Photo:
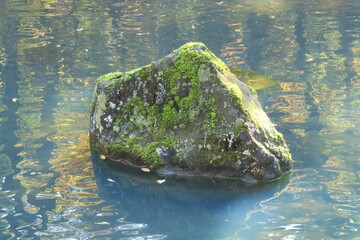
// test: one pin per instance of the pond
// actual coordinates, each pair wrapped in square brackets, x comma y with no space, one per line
[303,57]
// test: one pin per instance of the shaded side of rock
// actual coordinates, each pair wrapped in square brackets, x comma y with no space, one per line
[186,114]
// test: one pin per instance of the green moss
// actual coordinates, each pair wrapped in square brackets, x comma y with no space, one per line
[189,49]
[143,72]
[147,154]
[171,142]
[279,138]
[112,83]
[240,125]
[127,78]
[213,115]
[169,115]
[150,156]
[110,76]
[186,70]
[174,91]
[133,109]
[142,155]
[217,157]
[253,91]
[236,97]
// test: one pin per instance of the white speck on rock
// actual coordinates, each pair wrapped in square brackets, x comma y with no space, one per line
[246,152]
[134,93]
[108,121]
[276,161]
[112,105]
[93,125]
[230,141]
[120,104]
[160,151]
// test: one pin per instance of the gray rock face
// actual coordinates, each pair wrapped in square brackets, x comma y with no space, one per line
[186,114]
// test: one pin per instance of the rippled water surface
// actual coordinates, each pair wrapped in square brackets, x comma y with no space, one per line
[303,56]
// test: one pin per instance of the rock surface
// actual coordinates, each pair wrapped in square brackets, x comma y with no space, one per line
[186,114]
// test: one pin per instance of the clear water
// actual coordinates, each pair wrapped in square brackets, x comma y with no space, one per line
[52,51]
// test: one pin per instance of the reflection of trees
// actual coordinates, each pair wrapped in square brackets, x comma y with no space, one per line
[315,43]
[34,58]
[137,29]
[343,129]
[6,202]
[234,52]
[71,156]
[326,106]
[292,101]
[31,134]
[325,68]
[176,24]
[31,76]
[211,31]
[11,105]
[75,189]
[58,48]
[280,48]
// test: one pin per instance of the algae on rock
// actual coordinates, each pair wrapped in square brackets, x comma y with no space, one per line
[186,114]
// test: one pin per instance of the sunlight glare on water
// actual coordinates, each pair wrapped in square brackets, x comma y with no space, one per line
[302,56]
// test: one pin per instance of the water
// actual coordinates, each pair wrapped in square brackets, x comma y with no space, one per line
[52,51]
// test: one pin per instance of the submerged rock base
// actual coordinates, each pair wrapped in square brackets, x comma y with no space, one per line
[186,114]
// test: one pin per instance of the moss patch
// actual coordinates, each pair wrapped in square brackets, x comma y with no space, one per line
[110,76]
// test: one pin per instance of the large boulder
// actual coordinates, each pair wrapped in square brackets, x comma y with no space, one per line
[186,114]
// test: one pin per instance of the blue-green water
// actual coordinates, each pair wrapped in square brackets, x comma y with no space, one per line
[52,51]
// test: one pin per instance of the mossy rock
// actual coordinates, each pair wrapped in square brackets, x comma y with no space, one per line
[186,114]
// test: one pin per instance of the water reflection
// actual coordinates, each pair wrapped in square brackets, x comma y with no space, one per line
[307,205]
[51,53]
[217,208]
